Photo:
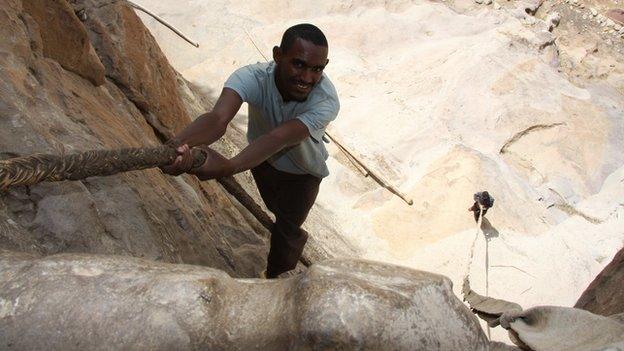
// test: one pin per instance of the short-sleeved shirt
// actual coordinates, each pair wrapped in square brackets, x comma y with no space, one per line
[256,86]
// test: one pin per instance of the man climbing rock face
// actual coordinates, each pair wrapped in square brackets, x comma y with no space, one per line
[291,102]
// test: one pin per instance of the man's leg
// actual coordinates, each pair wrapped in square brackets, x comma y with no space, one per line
[290,197]
[265,177]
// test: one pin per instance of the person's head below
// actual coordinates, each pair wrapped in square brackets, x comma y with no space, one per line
[300,60]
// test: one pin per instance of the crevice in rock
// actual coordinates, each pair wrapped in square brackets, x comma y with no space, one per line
[227,258]
[526,131]
[572,211]
[548,43]
[564,206]
[160,131]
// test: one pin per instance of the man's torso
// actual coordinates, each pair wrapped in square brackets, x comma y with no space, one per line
[267,110]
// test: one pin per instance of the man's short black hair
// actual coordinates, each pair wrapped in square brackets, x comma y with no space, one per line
[304,31]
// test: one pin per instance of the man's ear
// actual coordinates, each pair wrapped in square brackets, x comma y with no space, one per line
[277,53]
[327,62]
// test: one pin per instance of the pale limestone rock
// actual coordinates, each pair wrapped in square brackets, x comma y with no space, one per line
[554,328]
[98,302]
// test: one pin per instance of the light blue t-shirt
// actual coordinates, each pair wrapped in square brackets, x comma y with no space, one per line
[256,86]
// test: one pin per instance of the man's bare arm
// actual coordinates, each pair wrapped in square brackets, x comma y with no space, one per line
[211,126]
[287,134]
[205,130]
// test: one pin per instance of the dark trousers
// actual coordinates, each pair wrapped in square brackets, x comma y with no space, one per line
[290,197]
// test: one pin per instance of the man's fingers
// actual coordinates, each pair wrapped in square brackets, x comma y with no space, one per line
[188,158]
[182,148]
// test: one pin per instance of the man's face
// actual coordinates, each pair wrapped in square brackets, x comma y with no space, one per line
[299,69]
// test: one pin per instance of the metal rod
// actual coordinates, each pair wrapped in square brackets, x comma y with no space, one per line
[368,172]
[162,21]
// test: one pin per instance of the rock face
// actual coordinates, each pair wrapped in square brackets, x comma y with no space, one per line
[54,98]
[605,295]
[135,63]
[70,301]
[59,33]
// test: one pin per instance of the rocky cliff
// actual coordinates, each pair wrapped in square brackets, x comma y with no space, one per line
[605,295]
[83,75]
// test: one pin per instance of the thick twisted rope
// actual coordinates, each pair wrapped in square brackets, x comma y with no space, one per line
[33,169]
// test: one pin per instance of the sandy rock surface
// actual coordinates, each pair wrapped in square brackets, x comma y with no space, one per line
[446,100]
[77,301]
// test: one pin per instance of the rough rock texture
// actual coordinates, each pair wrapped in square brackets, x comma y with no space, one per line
[605,295]
[70,301]
[135,63]
[554,328]
[45,107]
[56,28]
[616,15]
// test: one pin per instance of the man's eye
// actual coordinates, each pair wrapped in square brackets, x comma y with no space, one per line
[317,69]
[298,64]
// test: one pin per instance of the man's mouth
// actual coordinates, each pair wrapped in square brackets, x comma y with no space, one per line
[303,87]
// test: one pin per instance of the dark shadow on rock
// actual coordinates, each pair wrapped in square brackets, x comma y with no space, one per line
[488,230]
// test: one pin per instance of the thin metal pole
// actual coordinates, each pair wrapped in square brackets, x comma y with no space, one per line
[368,172]
[156,17]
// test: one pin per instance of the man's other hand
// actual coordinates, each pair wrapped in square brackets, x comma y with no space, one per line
[183,162]
[216,166]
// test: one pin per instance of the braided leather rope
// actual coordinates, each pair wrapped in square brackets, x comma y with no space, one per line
[38,168]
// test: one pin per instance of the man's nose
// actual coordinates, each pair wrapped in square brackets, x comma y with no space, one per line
[307,76]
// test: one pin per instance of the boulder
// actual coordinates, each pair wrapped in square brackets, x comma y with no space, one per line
[74,301]
[605,295]
[554,328]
